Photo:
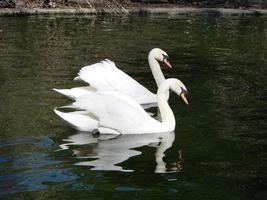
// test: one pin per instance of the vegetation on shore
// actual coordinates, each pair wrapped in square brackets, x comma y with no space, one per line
[124,4]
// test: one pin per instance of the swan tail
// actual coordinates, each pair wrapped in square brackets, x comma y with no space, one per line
[77,78]
[78,120]
[65,92]
[74,93]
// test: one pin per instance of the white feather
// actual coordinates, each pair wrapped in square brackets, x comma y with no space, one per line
[121,113]
[105,76]
[78,120]
[73,93]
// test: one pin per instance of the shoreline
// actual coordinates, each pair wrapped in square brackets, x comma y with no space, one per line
[134,10]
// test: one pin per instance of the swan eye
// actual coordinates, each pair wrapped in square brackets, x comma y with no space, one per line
[164,57]
[183,91]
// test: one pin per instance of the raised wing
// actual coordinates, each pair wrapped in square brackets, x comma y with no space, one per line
[105,76]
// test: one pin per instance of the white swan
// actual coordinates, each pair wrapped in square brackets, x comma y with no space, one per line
[105,76]
[114,112]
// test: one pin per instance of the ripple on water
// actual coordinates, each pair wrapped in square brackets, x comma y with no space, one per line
[29,169]
[33,180]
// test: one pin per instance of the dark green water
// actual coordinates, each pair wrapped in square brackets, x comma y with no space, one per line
[218,150]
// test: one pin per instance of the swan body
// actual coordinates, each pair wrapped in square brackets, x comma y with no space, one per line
[105,76]
[111,111]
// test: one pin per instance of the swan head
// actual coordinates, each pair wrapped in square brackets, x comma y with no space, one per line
[160,56]
[179,88]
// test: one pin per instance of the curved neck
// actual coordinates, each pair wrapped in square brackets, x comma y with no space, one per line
[167,115]
[156,70]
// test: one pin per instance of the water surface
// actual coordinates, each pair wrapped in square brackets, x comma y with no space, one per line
[218,150]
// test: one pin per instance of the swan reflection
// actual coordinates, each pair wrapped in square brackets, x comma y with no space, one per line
[107,151]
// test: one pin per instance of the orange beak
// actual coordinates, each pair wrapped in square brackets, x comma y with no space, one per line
[167,62]
[184,98]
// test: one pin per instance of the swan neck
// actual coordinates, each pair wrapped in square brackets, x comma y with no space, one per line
[166,113]
[156,70]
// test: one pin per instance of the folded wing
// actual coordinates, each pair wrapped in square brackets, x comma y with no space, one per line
[117,111]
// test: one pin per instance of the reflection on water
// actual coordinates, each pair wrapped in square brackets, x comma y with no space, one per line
[108,151]
[222,133]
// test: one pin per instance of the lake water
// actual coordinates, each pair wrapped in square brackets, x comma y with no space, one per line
[218,150]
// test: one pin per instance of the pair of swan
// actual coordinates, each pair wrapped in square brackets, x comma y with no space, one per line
[111,103]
